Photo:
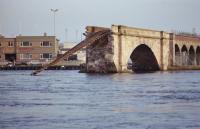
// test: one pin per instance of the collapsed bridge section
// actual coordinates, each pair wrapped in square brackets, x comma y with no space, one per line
[91,38]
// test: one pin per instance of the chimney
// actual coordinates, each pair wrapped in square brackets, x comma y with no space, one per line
[194,31]
[45,34]
[1,36]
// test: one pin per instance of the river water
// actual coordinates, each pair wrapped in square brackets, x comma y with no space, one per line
[72,100]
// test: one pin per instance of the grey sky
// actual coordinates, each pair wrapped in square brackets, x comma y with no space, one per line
[33,17]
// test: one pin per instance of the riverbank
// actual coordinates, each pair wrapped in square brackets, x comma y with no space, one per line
[178,68]
[38,67]
[82,68]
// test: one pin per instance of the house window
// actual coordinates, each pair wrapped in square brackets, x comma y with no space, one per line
[46,56]
[26,44]
[26,56]
[46,44]
[10,44]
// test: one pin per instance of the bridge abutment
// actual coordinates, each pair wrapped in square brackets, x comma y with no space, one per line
[99,55]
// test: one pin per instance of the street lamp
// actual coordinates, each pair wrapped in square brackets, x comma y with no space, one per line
[54,16]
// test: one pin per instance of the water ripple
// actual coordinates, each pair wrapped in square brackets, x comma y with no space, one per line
[70,100]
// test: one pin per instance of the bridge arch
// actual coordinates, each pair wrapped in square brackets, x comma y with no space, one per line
[143,59]
[184,55]
[198,55]
[177,55]
[191,59]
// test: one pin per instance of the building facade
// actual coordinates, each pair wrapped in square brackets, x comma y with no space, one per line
[28,49]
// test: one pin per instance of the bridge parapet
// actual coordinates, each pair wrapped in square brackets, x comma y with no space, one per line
[93,29]
[187,38]
[138,32]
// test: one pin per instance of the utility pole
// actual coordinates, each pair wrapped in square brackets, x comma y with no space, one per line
[54,18]
[66,34]
[76,35]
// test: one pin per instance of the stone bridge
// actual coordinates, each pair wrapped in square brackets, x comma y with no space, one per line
[127,48]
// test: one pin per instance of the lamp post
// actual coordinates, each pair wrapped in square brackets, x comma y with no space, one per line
[54,16]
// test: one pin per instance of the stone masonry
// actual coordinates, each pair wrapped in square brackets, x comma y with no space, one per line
[112,52]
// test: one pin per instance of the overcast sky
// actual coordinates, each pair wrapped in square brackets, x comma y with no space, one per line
[33,17]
